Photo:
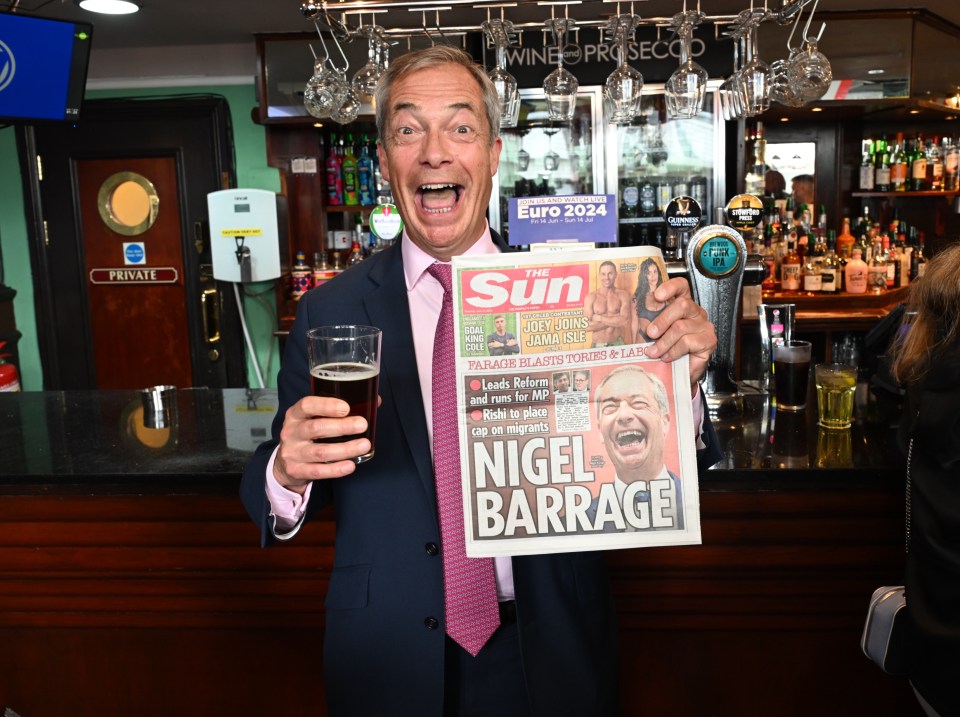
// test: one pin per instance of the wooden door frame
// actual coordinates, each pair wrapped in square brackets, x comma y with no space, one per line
[195,131]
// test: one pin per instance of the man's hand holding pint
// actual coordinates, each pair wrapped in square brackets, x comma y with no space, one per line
[300,459]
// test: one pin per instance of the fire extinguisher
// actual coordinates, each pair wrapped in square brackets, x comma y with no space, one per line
[9,379]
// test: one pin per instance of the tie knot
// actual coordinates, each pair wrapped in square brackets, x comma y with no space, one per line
[443,274]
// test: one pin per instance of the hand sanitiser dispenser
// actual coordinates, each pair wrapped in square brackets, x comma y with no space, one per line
[244,235]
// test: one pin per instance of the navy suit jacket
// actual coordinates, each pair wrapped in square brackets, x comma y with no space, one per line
[384,641]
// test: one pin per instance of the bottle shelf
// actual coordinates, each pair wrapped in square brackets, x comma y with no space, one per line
[906,194]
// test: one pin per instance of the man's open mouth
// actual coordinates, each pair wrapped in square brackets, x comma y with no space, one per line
[439,198]
[631,439]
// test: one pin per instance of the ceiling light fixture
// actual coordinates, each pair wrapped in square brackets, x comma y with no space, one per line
[109,7]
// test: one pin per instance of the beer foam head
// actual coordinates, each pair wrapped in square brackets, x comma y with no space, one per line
[344,371]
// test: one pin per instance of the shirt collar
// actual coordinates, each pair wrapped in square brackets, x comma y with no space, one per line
[621,486]
[416,261]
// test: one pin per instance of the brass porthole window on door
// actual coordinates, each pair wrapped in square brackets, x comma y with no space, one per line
[128,203]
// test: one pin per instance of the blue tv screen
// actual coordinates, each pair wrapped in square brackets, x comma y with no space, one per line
[43,68]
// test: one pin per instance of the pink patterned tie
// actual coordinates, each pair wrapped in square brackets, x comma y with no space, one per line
[469,583]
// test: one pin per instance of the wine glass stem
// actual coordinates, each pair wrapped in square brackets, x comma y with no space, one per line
[501,56]
[622,59]
[685,37]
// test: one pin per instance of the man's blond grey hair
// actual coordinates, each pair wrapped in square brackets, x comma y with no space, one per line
[659,388]
[436,56]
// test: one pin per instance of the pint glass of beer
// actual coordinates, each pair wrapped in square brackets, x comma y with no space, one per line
[791,373]
[345,364]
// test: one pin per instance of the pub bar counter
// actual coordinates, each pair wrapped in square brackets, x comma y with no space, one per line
[131,581]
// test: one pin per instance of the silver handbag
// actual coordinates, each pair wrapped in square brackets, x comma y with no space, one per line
[884,633]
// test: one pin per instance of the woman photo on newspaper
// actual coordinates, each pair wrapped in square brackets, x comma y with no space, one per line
[647,308]
[926,360]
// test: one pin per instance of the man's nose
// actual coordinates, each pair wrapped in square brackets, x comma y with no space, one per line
[435,149]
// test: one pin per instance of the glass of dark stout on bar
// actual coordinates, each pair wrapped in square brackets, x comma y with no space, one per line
[791,374]
[345,364]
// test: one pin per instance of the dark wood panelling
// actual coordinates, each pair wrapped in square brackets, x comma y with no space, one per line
[164,604]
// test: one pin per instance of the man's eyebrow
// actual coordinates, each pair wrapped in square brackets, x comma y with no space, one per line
[413,107]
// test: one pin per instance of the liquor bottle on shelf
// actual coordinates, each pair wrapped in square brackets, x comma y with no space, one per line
[918,166]
[846,240]
[365,185]
[877,271]
[892,261]
[698,190]
[918,262]
[811,276]
[904,253]
[867,171]
[934,165]
[855,274]
[300,276]
[769,258]
[334,178]
[898,165]
[951,155]
[648,198]
[629,197]
[337,266]
[356,252]
[790,267]
[881,165]
[830,269]
[348,168]
[321,269]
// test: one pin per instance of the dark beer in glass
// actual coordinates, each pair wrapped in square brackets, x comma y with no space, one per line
[791,373]
[345,364]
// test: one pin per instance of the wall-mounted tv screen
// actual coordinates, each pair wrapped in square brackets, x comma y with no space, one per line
[43,68]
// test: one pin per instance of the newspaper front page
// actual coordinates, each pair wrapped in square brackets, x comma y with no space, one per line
[571,437]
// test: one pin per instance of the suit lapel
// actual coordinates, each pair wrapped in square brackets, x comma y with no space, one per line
[387,305]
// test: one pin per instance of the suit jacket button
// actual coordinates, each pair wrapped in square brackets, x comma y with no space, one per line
[431,623]
[432,549]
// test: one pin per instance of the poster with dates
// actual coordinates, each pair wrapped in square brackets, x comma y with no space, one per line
[571,437]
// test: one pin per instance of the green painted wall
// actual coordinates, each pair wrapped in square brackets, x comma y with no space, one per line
[252,172]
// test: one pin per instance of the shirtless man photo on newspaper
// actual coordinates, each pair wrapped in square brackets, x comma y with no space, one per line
[607,309]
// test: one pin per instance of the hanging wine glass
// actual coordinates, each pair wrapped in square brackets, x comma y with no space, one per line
[622,89]
[687,87]
[500,33]
[317,103]
[782,90]
[809,71]
[365,80]
[551,160]
[349,108]
[729,90]
[560,86]
[523,156]
[324,90]
[755,75]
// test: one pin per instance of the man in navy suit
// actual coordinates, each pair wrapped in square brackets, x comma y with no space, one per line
[385,650]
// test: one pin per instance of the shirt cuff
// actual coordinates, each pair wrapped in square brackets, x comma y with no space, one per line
[287,507]
[697,418]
